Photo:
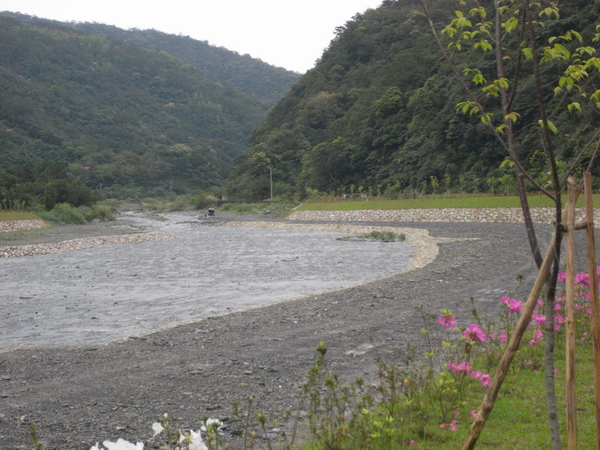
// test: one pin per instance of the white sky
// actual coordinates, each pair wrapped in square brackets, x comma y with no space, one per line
[284,33]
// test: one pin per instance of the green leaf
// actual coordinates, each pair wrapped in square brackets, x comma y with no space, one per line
[551,126]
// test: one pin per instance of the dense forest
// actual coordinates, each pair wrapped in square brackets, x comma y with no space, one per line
[111,116]
[378,114]
[247,74]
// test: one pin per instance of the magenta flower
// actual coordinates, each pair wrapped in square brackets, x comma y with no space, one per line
[562,276]
[473,333]
[447,319]
[460,367]
[539,319]
[476,374]
[485,380]
[503,337]
[483,377]
[515,306]
[582,278]
[539,303]
[538,334]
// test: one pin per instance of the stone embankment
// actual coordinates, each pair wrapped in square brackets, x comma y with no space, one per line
[80,244]
[491,215]
[8,226]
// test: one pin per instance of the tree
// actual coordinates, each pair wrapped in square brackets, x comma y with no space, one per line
[516,33]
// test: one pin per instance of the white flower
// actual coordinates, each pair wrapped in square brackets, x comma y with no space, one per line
[196,442]
[157,428]
[213,423]
[95,447]
[122,444]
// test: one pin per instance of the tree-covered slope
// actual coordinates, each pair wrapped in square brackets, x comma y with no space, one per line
[115,113]
[378,113]
[247,74]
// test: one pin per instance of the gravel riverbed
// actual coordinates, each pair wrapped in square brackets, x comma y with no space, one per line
[79,395]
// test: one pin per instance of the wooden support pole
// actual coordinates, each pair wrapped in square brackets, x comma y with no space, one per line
[591,247]
[571,401]
[513,345]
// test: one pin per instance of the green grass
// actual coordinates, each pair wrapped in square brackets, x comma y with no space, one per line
[519,416]
[435,203]
[17,215]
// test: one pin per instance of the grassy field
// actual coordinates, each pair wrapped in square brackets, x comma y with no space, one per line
[434,203]
[17,215]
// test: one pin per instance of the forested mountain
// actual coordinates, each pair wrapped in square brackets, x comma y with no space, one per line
[243,72]
[114,113]
[247,74]
[378,114]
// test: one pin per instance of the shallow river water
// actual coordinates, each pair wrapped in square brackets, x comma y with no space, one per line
[106,293]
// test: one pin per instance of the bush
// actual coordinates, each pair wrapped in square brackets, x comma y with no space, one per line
[63,213]
[101,212]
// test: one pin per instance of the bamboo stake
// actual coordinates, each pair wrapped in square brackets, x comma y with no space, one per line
[591,244]
[513,345]
[571,400]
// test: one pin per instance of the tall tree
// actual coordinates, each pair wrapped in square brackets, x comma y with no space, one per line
[516,33]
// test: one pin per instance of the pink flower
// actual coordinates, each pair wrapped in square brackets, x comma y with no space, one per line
[582,278]
[483,377]
[539,303]
[477,375]
[503,337]
[453,424]
[558,321]
[562,276]
[412,442]
[473,414]
[515,306]
[457,414]
[529,362]
[447,320]
[473,333]
[485,380]
[539,319]
[460,367]
[538,334]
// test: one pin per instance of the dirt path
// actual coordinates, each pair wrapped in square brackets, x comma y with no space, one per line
[78,396]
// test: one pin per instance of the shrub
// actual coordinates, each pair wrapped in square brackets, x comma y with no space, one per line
[63,213]
[102,212]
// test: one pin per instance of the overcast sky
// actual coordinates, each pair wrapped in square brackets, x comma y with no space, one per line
[285,33]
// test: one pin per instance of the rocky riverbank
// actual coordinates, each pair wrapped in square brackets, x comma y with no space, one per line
[79,396]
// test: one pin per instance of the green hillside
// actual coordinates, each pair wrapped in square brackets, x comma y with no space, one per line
[247,74]
[378,114]
[116,115]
